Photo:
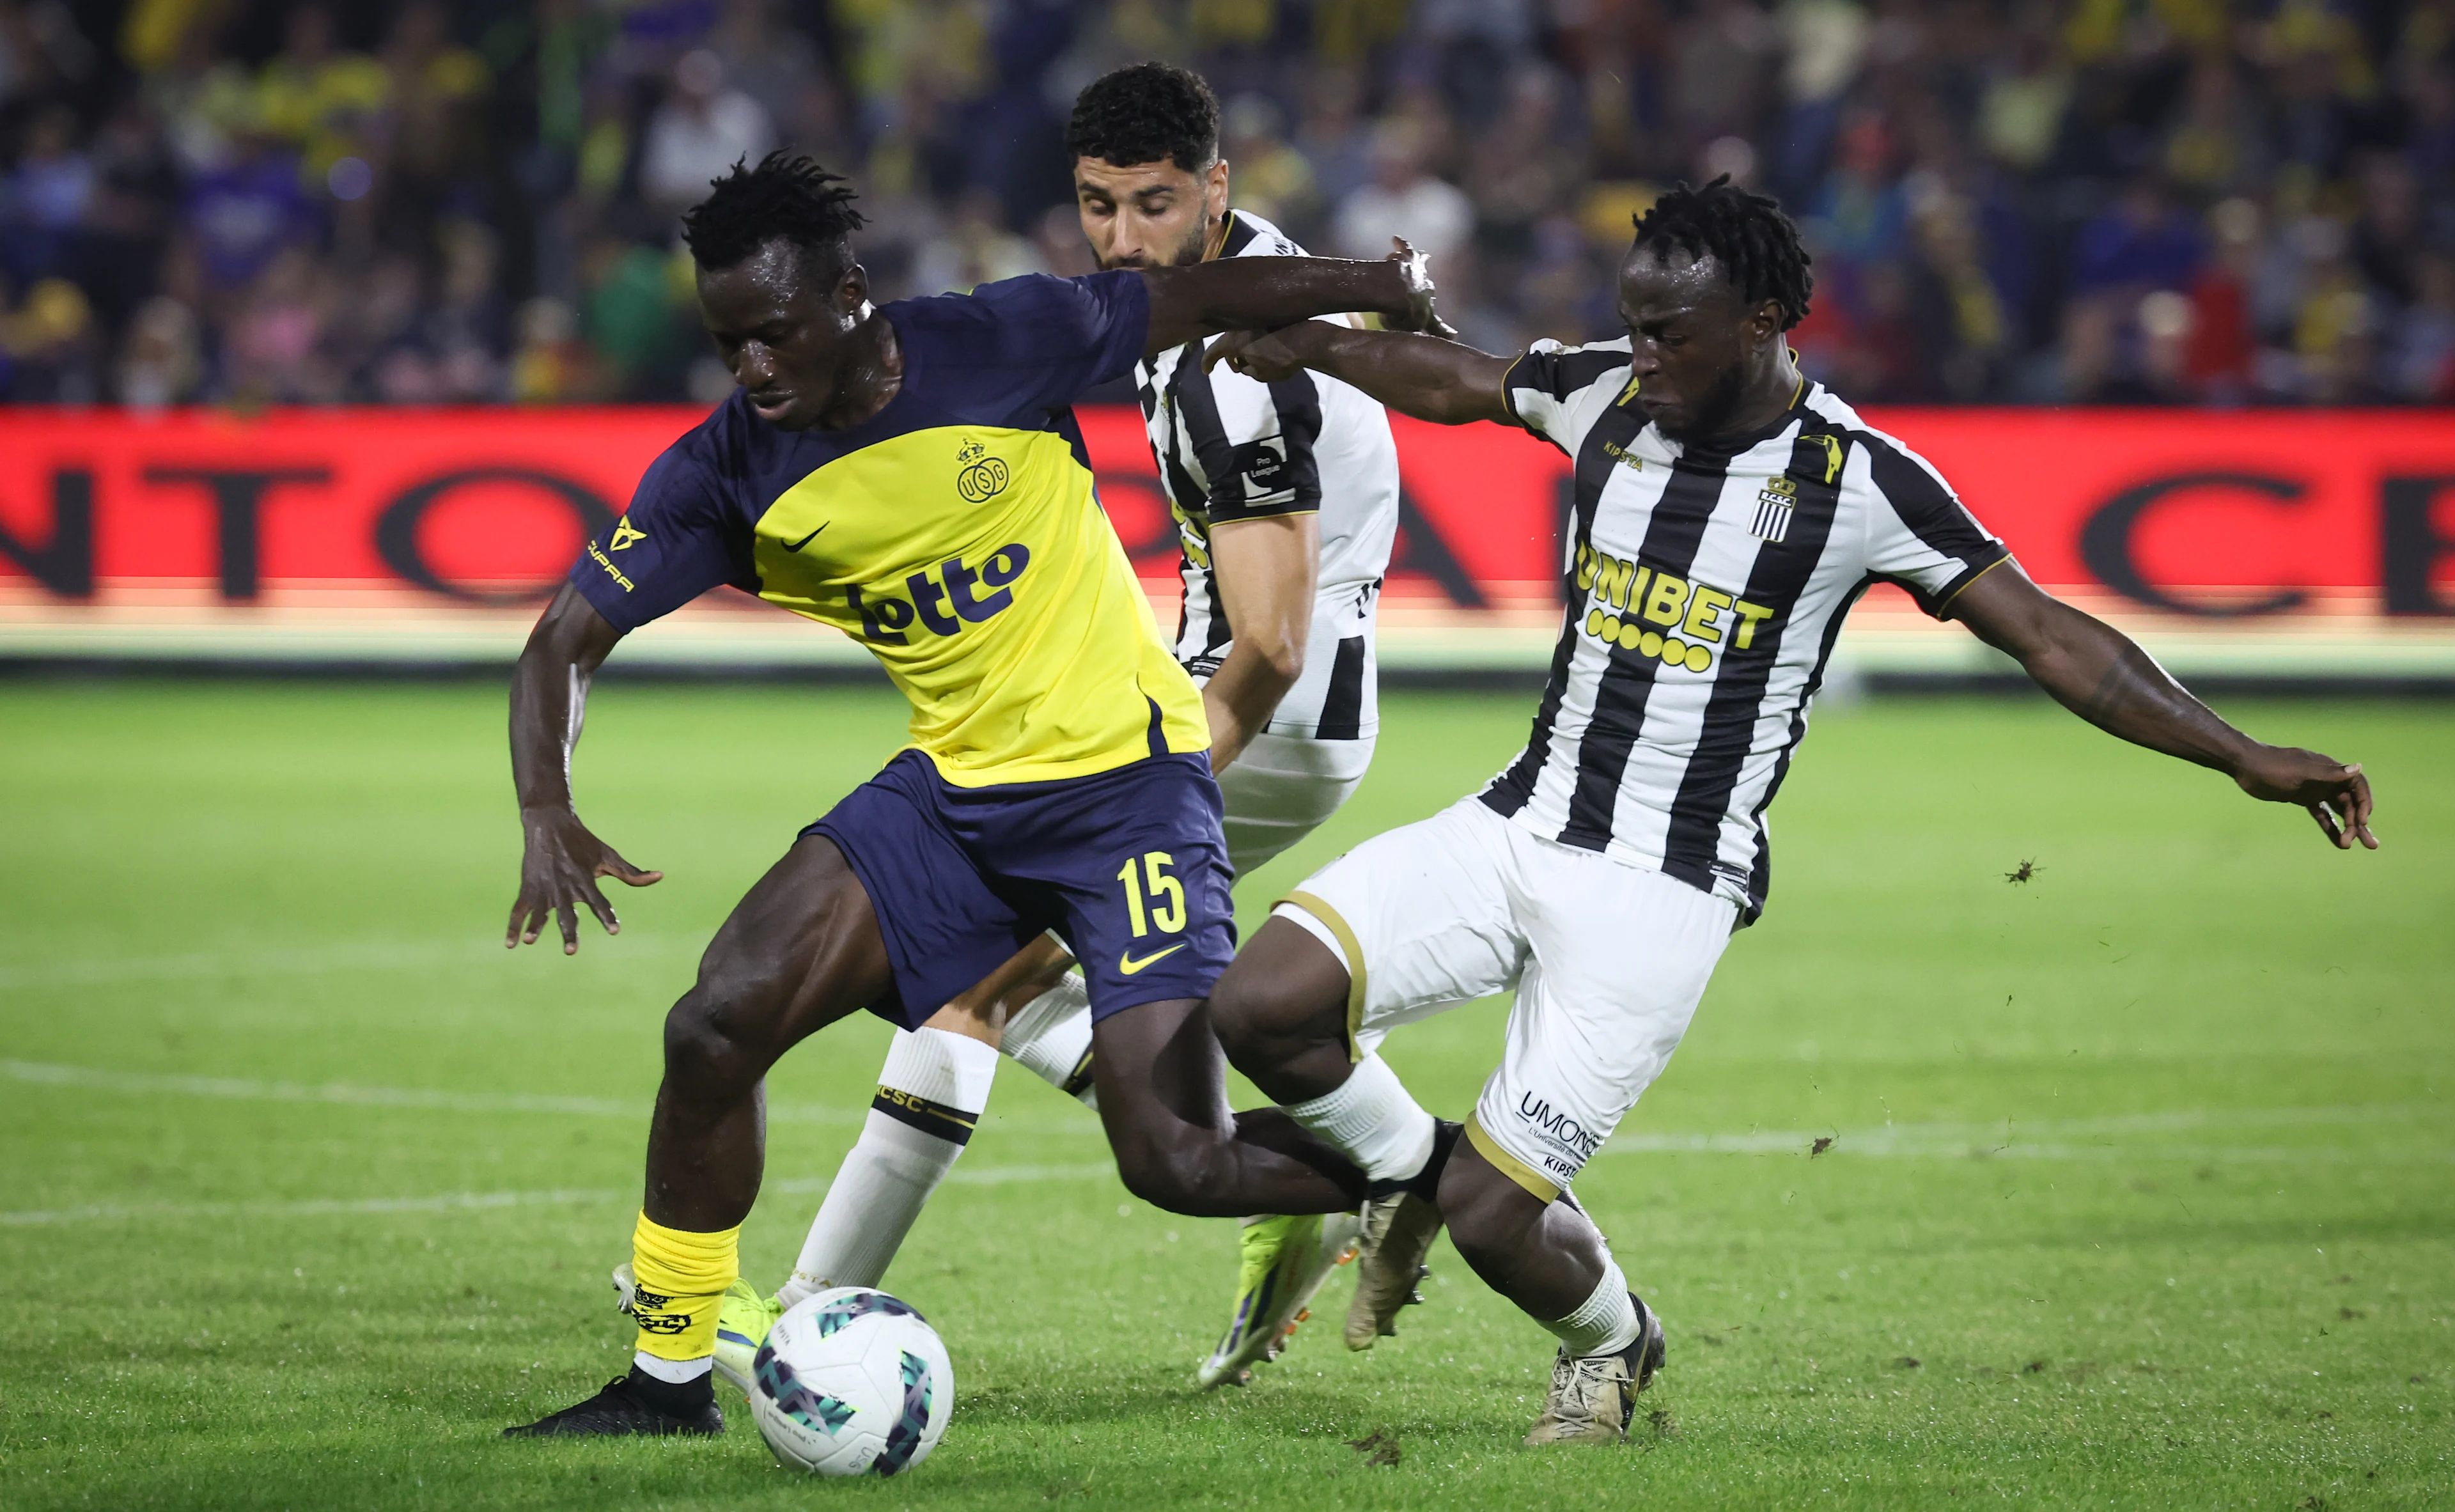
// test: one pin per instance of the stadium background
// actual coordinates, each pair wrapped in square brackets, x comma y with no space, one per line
[289,214]
[325,334]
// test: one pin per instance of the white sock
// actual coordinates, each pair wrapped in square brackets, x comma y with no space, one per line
[1050,1037]
[1604,1324]
[680,1372]
[933,1088]
[1371,1120]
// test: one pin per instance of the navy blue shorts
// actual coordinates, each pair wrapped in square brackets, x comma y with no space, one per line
[1129,866]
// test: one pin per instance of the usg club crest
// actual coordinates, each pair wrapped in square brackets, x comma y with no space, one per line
[982,477]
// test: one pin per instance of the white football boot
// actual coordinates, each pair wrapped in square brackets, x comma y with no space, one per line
[1595,1396]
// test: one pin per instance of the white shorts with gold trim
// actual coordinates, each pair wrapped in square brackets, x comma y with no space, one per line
[1608,961]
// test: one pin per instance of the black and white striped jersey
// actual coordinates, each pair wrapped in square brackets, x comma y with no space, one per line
[1233,448]
[1705,592]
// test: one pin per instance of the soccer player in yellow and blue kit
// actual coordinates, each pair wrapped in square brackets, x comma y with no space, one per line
[912,474]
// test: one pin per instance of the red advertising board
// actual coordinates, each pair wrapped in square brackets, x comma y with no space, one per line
[409,532]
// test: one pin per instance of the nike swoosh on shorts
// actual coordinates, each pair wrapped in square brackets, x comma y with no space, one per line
[1127,963]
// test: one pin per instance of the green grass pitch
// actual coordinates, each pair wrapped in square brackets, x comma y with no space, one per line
[2142,1194]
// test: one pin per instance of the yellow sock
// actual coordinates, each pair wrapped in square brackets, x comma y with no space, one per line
[682,1278]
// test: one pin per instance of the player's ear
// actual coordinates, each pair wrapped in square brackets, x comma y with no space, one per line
[852,286]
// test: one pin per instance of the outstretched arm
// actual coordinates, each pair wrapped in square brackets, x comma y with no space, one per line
[1424,377]
[1256,293]
[559,859]
[2101,675]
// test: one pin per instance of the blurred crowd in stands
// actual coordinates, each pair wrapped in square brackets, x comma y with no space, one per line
[442,201]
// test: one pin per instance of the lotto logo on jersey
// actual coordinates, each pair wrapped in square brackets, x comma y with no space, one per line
[1662,615]
[942,601]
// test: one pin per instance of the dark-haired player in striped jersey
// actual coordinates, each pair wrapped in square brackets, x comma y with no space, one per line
[1728,513]
[1286,500]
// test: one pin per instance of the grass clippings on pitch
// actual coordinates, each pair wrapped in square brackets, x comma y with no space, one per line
[2141,1187]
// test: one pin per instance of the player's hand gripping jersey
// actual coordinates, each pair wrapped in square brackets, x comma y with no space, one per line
[1233,448]
[955,534]
[1705,592]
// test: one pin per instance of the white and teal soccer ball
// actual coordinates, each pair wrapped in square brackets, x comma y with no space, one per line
[852,1381]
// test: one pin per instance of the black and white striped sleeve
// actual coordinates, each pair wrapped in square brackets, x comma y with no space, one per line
[1919,535]
[1556,391]
[1254,441]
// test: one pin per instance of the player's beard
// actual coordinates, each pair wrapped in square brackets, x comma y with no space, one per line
[1194,245]
[1711,415]
[1184,255]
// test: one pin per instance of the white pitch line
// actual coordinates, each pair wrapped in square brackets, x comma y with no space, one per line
[145,1083]
[306,961]
[2036,1139]
[321,1207]
[2018,1135]
[468,1202]
[247,1089]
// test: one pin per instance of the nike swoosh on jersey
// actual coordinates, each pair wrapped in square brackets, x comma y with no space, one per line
[806,539]
[1127,963]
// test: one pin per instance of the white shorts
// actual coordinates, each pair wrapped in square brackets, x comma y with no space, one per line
[1609,961]
[1282,788]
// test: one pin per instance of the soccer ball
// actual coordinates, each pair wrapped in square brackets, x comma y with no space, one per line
[852,1381]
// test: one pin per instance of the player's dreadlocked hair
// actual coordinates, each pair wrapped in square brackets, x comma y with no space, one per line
[1144,112]
[1756,243]
[786,196]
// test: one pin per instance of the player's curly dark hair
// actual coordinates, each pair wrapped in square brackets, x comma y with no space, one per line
[1756,244]
[786,196]
[1142,112]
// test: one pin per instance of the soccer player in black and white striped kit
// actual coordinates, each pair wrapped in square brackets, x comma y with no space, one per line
[1728,513]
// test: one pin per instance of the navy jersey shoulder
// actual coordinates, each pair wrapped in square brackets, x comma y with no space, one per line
[1012,352]
[1011,355]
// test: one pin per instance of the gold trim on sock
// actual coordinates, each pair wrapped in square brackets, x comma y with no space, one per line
[1079,1081]
[938,1119]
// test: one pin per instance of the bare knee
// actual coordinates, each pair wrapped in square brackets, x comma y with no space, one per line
[707,1054]
[1283,1002]
[1170,1175]
[1241,1005]
[1154,1178]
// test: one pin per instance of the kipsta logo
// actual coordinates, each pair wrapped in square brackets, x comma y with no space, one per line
[982,477]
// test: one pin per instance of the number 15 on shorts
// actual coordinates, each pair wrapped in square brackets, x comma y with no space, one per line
[1155,897]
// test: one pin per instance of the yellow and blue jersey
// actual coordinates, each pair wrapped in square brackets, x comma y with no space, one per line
[955,534]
